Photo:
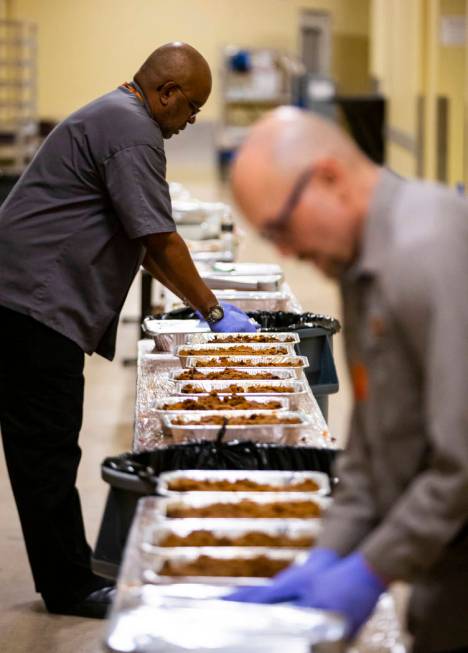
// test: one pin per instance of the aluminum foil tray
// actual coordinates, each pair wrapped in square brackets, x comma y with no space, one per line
[148,620]
[296,363]
[284,481]
[257,269]
[191,231]
[159,406]
[212,256]
[255,301]
[220,281]
[223,338]
[271,433]
[230,530]
[170,334]
[156,557]
[221,350]
[164,506]
[192,211]
[283,373]
[298,395]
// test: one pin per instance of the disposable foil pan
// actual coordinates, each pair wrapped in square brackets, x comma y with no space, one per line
[285,481]
[198,231]
[229,350]
[164,506]
[252,301]
[296,363]
[148,619]
[156,557]
[168,401]
[220,281]
[170,334]
[257,269]
[299,390]
[223,338]
[282,373]
[271,433]
[230,529]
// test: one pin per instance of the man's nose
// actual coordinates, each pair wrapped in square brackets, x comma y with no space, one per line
[192,120]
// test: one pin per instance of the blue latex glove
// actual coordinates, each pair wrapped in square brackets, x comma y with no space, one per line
[350,587]
[234,321]
[290,584]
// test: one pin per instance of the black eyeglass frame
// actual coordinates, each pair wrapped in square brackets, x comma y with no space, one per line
[276,228]
[195,109]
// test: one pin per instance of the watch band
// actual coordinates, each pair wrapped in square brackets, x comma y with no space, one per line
[215,314]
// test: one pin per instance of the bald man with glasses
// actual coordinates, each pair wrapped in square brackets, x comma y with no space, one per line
[92,206]
[399,250]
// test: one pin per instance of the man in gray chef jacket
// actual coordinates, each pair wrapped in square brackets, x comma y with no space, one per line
[399,250]
[92,206]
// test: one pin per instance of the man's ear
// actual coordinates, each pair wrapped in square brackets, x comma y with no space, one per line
[166,91]
[329,171]
[334,176]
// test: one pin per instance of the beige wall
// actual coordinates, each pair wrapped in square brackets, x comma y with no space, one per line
[396,62]
[452,78]
[409,61]
[89,46]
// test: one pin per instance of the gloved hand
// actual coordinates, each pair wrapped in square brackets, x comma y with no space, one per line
[234,321]
[290,584]
[350,587]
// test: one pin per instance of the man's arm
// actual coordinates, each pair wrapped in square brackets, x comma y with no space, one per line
[433,312]
[353,515]
[168,259]
[154,269]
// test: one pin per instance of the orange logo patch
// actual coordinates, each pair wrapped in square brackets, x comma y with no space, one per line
[360,381]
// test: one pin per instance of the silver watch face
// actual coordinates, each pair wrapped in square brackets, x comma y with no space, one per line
[215,315]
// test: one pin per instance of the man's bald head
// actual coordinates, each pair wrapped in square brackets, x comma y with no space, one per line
[281,145]
[280,149]
[178,62]
[172,70]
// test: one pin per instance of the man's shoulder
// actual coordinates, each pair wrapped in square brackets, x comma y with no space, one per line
[117,119]
[426,210]
[429,239]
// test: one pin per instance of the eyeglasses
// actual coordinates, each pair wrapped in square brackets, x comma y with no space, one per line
[275,229]
[195,109]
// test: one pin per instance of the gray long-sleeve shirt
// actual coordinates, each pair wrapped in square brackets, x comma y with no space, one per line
[70,229]
[403,495]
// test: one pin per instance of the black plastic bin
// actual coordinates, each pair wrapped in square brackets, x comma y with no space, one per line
[132,476]
[316,343]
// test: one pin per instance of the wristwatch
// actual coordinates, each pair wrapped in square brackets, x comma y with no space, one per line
[215,314]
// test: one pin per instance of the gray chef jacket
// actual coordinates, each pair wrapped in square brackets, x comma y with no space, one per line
[70,228]
[403,492]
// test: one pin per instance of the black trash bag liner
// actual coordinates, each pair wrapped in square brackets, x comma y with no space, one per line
[287,321]
[270,320]
[148,465]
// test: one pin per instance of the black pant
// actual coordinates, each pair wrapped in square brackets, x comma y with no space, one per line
[41,405]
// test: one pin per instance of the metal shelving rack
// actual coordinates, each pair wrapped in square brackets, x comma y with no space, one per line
[19,137]
[248,95]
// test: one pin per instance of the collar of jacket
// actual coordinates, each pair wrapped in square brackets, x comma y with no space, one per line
[377,235]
